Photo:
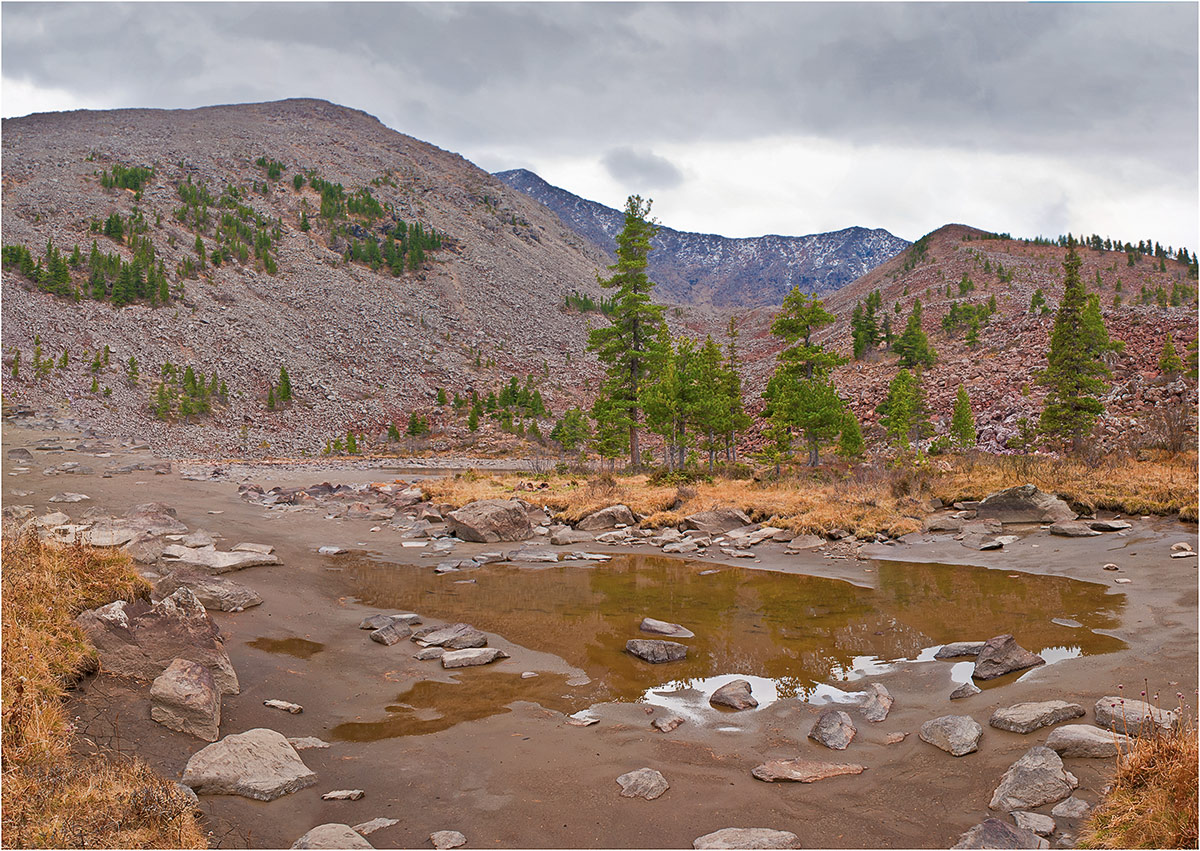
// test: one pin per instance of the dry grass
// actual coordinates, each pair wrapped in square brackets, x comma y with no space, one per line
[51,796]
[863,500]
[1153,799]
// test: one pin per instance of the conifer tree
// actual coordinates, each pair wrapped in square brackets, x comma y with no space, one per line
[904,414]
[473,419]
[441,397]
[131,370]
[962,422]
[351,443]
[850,443]
[913,345]
[572,430]
[1169,363]
[285,386]
[739,420]
[1074,372]
[624,345]
[271,398]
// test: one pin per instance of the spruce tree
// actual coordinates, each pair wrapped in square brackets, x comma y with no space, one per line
[850,443]
[962,423]
[913,345]
[1169,363]
[739,420]
[904,414]
[285,386]
[1074,371]
[624,345]
[271,398]
[473,419]
[393,433]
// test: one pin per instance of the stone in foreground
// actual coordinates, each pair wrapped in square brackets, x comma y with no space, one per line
[994,833]
[458,636]
[487,521]
[803,770]
[878,703]
[1024,504]
[665,628]
[1035,779]
[656,652]
[747,837]
[443,839]
[1132,717]
[957,735]
[1072,529]
[667,724]
[472,657]
[374,825]
[1002,655]
[965,690]
[1072,808]
[344,795]
[213,592]
[735,694]
[834,729]
[1086,741]
[1040,824]
[258,764]
[185,698]
[391,633]
[1027,717]
[607,518]
[643,783]
[332,836]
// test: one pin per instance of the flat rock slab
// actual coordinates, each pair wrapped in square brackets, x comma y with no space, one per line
[1072,529]
[284,706]
[429,653]
[959,650]
[487,521]
[643,783]
[69,497]
[656,652]
[250,547]
[735,695]
[658,627]
[965,690]
[994,833]
[1024,504]
[717,521]
[458,636]
[1109,525]
[332,836]
[1072,808]
[568,537]
[215,561]
[804,542]
[391,633]
[1040,824]
[344,795]
[1035,779]
[472,657]
[957,735]
[109,534]
[834,729]
[1086,741]
[259,764]
[185,698]
[803,770]
[443,839]
[215,593]
[1132,717]
[747,837]
[1027,717]
[878,703]
[378,621]
[304,743]
[1002,655]
[374,824]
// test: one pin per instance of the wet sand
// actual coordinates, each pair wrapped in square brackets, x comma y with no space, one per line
[524,777]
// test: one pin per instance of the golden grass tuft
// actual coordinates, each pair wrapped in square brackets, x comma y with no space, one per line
[1153,799]
[52,797]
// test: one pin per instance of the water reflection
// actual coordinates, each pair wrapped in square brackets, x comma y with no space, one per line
[301,648]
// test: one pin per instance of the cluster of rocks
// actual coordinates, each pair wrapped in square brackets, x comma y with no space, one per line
[457,645]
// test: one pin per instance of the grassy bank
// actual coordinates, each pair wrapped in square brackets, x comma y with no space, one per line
[53,797]
[862,499]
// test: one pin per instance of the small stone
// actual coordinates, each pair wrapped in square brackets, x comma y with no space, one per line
[803,770]
[304,743]
[369,827]
[428,653]
[528,675]
[1111,566]
[1181,546]
[332,836]
[391,634]
[1123,581]
[292,708]
[1183,554]
[643,783]
[458,636]
[957,735]
[959,650]
[472,657]
[656,652]
[331,551]
[1036,822]
[582,722]
[665,628]
[878,703]
[1108,525]
[1027,717]
[965,690]
[834,729]
[746,838]
[1002,655]
[895,738]
[69,497]
[261,549]
[735,695]
[443,839]
[666,724]
[1072,808]
[343,795]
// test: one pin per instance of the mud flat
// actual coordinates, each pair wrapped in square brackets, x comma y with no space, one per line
[491,752]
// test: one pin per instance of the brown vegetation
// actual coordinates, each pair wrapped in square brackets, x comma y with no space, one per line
[52,797]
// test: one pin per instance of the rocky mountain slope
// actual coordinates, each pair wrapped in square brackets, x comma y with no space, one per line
[706,269]
[362,346]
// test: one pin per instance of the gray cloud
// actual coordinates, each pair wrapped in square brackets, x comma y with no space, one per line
[642,169]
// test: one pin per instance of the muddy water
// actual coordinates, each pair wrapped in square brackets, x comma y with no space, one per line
[791,635]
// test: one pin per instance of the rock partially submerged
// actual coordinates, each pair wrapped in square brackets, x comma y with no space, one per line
[735,695]
[258,764]
[457,636]
[747,837]
[803,770]
[656,652]
[1072,529]
[1027,717]
[658,627]
[472,657]
[1002,655]
[959,650]
[1035,779]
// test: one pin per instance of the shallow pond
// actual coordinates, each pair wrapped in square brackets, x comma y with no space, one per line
[790,635]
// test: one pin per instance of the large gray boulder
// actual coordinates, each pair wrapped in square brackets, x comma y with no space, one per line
[656,652]
[1086,741]
[994,833]
[1027,717]
[258,764]
[185,698]
[957,735]
[1133,717]
[138,639]
[834,729]
[1024,504]
[487,521]
[747,837]
[1002,655]
[332,836]
[735,694]
[215,593]
[717,521]
[607,518]
[1035,779]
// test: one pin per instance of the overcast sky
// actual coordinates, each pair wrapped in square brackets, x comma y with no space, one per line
[739,119]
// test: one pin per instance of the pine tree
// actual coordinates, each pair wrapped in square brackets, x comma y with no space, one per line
[441,397]
[131,370]
[414,428]
[285,386]
[393,433]
[1169,363]
[624,345]
[962,423]
[473,419]
[904,414]
[572,430]
[1074,371]
[271,398]
[351,443]
[850,443]
[739,420]
[913,345]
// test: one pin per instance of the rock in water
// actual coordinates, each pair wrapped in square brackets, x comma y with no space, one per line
[994,833]
[185,698]
[833,729]
[747,837]
[607,518]
[957,735]
[1084,740]
[472,657]
[965,690]
[391,634]
[735,695]
[643,783]
[258,764]
[656,652]
[1024,504]
[1002,655]
[803,770]
[1109,525]
[458,636]
[1132,717]
[332,836]
[1035,779]
[1027,717]
[959,650]
[1072,529]
[878,703]
[443,839]
[487,521]
[665,628]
